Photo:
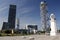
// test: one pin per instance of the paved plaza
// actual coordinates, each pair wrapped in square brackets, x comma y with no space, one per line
[31,37]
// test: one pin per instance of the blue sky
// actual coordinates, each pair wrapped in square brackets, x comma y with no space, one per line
[28,11]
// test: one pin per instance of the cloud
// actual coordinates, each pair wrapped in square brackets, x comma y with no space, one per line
[25,10]
[28,20]
[3,8]
[21,3]
[3,12]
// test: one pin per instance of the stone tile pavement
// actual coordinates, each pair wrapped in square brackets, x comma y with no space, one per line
[31,37]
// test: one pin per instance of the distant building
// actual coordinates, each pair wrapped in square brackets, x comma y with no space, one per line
[32,28]
[12,16]
[22,31]
[17,23]
[5,26]
[11,19]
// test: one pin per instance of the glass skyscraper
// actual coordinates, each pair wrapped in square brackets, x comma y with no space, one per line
[12,16]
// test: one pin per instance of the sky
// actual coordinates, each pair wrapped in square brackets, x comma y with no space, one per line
[28,11]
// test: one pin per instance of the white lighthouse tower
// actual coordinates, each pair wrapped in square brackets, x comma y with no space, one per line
[53,25]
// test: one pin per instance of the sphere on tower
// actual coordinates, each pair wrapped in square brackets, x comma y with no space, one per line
[43,5]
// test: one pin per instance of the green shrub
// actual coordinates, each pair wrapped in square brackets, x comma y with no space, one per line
[7,31]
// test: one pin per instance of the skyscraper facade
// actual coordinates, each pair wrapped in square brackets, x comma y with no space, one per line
[5,26]
[12,16]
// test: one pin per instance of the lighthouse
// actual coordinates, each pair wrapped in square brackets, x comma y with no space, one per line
[53,25]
